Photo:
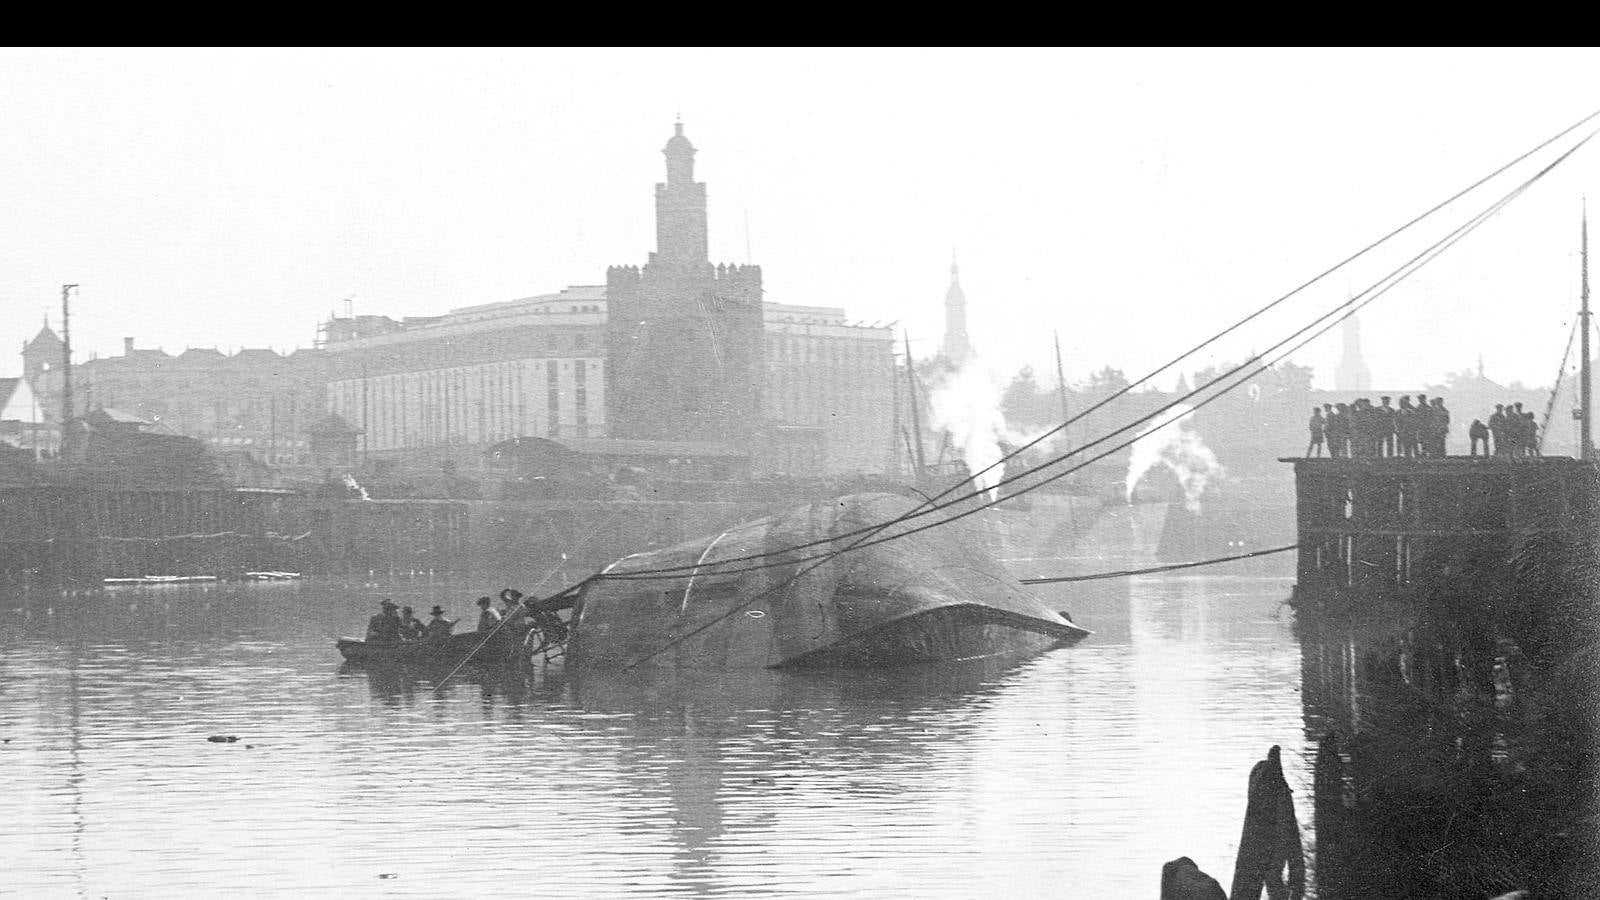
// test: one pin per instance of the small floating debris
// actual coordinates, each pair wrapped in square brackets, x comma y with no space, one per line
[162,579]
[223,738]
[271,576]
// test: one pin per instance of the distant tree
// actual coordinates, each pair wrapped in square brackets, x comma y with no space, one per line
[1023,402]
[1107,381]
[1287,379]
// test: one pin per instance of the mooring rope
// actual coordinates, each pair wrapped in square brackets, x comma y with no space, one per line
[1063,579]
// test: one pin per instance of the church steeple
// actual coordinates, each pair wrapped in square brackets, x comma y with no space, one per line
[957,346]
[1352,373]
[681,207]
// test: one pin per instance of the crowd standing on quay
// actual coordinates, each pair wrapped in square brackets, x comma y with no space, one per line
[1360,430]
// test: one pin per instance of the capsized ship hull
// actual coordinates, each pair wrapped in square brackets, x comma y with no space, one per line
[926,596]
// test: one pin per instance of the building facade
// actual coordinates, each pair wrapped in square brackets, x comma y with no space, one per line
[478,375]
[678,349]
[255,402]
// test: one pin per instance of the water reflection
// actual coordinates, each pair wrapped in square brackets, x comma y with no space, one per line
[1448,759]
[1087,767]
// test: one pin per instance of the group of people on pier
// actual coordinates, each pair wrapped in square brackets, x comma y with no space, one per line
[1513,433]
[1361,430]
[1415,430]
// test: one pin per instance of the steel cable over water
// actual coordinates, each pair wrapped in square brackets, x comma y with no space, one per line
[1187,353]
[1394,278]
[1170,567]
[1349,308]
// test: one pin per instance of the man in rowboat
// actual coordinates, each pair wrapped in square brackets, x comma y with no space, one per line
[438,627]
[488,619]
[410,625]
[384,628]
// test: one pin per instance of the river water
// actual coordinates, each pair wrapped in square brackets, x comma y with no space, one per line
[1075,773]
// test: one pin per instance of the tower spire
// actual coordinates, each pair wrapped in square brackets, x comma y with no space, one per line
[681,206]
[957,346]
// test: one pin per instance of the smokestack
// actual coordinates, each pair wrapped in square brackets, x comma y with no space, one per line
[127,346]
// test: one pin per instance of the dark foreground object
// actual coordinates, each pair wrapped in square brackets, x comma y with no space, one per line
[1181,879]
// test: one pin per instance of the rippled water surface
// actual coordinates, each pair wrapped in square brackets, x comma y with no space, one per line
[1076,773]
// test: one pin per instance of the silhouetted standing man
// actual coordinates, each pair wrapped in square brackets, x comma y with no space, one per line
[1441,428]
[1479,432]
[1318,428]
[1405,428]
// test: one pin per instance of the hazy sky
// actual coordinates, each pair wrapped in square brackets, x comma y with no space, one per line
[1129,199]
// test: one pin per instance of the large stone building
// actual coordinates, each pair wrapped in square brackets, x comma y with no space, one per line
[678,350]
[473,377]
[256,401]
[684,337]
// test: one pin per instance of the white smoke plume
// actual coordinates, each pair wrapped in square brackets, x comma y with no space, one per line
[1176,445]
[966,403]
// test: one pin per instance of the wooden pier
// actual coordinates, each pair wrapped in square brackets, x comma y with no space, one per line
[1381,527]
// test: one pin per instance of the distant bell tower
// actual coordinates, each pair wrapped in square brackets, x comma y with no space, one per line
[957,347]
[680,207]
[1352,373]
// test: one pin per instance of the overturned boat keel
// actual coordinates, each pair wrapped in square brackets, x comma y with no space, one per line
[925,596]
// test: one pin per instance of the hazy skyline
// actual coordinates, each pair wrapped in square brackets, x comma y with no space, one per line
[1132,200]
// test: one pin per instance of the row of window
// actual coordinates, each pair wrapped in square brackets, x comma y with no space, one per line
[481,404]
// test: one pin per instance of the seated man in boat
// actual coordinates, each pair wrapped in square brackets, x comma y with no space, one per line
[410,625]
[438,627]
[384,628]
[488,619]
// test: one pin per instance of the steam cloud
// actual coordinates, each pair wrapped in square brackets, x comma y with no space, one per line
[966,403]
[1180,449]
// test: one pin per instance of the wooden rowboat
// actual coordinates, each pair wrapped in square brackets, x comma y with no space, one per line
[503,646]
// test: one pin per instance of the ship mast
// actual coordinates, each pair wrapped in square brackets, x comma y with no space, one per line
[916,415]
[1585,397]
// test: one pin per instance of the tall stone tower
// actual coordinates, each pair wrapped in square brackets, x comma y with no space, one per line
[1352,373]
[684,342]
[957,346]
[41,367]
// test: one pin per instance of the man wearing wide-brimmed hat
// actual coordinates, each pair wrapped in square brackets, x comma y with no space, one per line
[438,627]
[384,628]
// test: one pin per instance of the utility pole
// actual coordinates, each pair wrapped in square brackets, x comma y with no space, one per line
[1585,397]
[66,358]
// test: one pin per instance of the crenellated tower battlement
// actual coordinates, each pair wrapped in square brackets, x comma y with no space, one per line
[683,335]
